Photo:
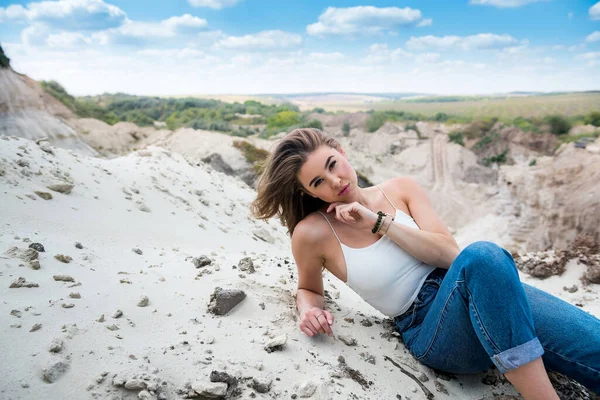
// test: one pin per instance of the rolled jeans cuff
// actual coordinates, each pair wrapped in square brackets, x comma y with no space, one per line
[518,355]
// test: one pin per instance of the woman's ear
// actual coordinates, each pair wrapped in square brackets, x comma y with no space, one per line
[342,152]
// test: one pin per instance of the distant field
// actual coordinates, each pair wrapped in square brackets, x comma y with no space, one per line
[511,107]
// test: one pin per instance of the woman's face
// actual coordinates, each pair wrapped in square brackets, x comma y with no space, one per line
[328,175]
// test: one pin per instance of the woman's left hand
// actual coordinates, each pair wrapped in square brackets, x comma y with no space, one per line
[354,214]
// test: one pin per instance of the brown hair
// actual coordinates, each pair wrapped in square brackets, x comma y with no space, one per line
[279,191]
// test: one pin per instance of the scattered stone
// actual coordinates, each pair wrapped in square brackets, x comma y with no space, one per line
[276,344]
[142,207]
[74,295]
[211,390]
[55,371]
[63,278]
[571,289]
[78,245]
[366,322]
[37,247]
[22,282]
[56,346]
[261,305]
[35,264]
[68,305]
[246,264]
[112,327]
[35,327]
[118,314]
[64,188]
[45,146]
[261,385]
[224,300]
[137,251]
[231,381]
[368,358]
[422,377]
[43,195]
[263,235]
[16,313]
[144,301]
[348,340]
[201,261]
[135,384]
[306,389]
[64,259]
[439,386]
[27,255]
[22,163]
[101,319]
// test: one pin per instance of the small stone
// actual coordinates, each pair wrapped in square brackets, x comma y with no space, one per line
[201,261]
[68,305]
[63,278]
[35,264]
[56,346]
[78,245]
[261,386]
[64,188]
[571,289]
[211,390]
[52,373]
[246,264]
[118,314]
[222,301]
[101,319]
[37,247]
[276,344]
[44,195]
[306,389]
[144,301]
[135,384]
[74,295]
[112,327]
[137,251]
[22,282]
[439,386]
[348,340]
[64,259]
[423,378]
[35,327]
[15,313]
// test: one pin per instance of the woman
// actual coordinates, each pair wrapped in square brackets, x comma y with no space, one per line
[457,311]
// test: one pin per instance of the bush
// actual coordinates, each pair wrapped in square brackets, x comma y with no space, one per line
[479,128]
[253,154]
[498,158]
[441,117]
[559,125]
[375,121]
[346,128]
[593,118]
[532,162]
[315,123]
[4,61]
[456,137]
[318,110]
[283,120]
[485,141]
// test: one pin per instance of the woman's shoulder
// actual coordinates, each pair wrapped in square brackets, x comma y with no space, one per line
[311,229]
[399,186]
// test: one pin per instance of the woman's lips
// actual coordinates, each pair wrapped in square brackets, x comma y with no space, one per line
[344,190]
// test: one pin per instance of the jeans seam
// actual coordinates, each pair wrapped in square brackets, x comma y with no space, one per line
[574,362]
[437,328]
[480,324]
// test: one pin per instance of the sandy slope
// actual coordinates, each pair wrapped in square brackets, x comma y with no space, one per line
[190,211]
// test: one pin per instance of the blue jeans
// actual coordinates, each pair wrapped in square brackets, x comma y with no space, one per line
[478,314]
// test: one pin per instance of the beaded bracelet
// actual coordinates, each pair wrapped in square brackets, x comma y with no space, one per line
[380,215]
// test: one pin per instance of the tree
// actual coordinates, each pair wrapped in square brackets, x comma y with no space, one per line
[346,128]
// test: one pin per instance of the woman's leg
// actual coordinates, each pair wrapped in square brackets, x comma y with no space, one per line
[481,316]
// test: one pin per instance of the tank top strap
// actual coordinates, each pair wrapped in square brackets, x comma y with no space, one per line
[388,199]
[331,226]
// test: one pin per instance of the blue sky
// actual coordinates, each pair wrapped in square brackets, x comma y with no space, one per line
[262,46]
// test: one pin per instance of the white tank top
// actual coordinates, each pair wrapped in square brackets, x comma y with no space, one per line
[384,274]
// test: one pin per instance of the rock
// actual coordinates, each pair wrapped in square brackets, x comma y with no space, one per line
[64,188]
[64,259]
[348,340]
[35,327]
[144,301]
[45,146]
[101,319]
[135,384]
[35,264]
[423,378]
[63,278]
[118,314]
[276,344]
[211,390]
[592,274]
[263,235]
[145,395]
[112,327]
[15,313]
[74,295]
[43,195]
[55,371]
[22,282]
[56,346]
[78,245]
[201,261]
[26,255]
[215,160]
[246,264]
[571,289]
[137,251]
[306,389]
[261,385]
[224,300]
[439,386]
[68,305]
[542,265]
[37,247]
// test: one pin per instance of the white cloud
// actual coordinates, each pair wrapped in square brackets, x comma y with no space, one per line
[425,22]
[479,42]
[594,37]
[595,55]
[67,40]
[67,14]
[504,3]
[179,54]
[214,4]
[325,57]
[186,20]
[261,41]
[427,57]
[379,53]
[364,20]
[594,11]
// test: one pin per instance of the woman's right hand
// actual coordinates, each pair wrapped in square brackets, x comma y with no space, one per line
[316,320]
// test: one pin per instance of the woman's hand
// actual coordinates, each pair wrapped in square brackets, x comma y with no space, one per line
[316,320]
[354,214]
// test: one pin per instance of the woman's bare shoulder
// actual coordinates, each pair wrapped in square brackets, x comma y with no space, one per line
[311,230]
[400,186]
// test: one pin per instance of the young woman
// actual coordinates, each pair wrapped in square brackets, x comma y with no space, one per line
[457,311]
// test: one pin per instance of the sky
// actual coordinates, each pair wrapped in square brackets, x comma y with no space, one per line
[193,47]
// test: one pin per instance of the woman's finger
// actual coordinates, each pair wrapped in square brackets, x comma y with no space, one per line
[329,317]
[306,331]
[324,324]
[316,325]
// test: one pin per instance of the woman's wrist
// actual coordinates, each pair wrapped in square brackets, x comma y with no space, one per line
[382,224]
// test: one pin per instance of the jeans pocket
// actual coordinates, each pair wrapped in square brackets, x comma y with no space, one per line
[405,321]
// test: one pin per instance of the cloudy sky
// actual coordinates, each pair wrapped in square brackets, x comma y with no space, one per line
[179,47]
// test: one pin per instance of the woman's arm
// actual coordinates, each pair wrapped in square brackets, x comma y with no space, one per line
[433,243]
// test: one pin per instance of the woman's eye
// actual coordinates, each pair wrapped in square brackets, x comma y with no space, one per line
[318,182]
[331,165]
